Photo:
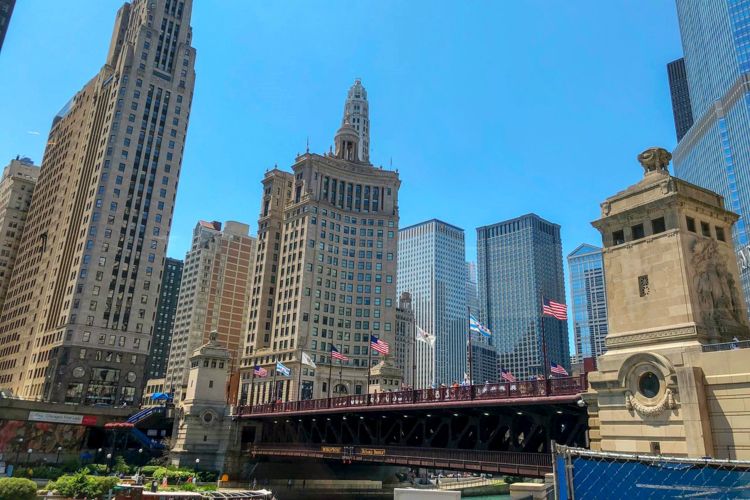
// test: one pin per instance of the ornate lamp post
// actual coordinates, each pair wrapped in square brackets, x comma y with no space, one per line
[59,449]
[28,455]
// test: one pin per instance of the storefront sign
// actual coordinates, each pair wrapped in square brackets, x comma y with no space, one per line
[62,418]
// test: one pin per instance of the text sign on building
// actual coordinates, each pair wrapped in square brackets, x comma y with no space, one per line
[62,418]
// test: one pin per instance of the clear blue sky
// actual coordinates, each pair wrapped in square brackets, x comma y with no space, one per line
[488,109]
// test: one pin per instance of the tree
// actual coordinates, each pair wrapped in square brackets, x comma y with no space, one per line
[16,488]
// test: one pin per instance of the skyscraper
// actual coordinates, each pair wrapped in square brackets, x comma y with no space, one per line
[472,292]
[588,300]
[6,10]
[520,263]
[78,317]
[214,296]
[432,267]
[16,190]
[165,314]
[325,274]
[357,111]
[678,89]
[715,152]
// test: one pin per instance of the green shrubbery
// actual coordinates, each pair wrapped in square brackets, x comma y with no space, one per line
[81,484]
[174,474]
[16,488]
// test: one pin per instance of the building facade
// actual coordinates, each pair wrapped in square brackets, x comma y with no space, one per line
[520,263]
[588,300]
[404,349]
[484,360]
[16,190]
[680,93]
[432,267]
[79,313]
[214,296]
[6,10]
[472,290]
[715,152]
[325,273]
[165,314]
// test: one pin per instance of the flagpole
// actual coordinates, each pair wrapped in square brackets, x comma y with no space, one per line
[341,363]
[330,368]
[414,365]
[544,350]
[252,388]
[471,364]
[273,386]
[299,377]
[369,363]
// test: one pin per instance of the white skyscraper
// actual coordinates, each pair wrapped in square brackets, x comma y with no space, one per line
[432,267]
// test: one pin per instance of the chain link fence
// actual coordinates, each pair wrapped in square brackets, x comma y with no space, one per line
[582,475]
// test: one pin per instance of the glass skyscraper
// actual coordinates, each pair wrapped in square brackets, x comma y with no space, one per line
[520,263]
[715,152]
[432,267]
[678,89]
[588,301]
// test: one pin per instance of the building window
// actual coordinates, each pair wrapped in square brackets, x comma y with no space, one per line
[637,231]
[720,234]
[643,288]
[618,237]
[690,224]
[705,229]
[658,225]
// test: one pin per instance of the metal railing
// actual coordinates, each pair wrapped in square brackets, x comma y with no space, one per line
[450,459]
[727,346]
[563,386]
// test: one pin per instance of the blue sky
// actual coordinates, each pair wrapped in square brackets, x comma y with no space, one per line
[488,109]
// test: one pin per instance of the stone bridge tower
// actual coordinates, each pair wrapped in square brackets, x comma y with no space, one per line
[672,379]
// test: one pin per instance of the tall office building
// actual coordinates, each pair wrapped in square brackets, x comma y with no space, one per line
[357,111]
[472,291]
[520,263]
[6,10]
[678,89]
[588,300]
[484,360]
[325,274]
[715,152]
[16,189]
[79,313]
[214,296]
[432,267]
[165,314]
[404,348]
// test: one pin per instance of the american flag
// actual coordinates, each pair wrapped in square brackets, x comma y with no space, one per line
[554,309]
[557,369]
[507,375]
[260,371]
[335,354]
[379,345]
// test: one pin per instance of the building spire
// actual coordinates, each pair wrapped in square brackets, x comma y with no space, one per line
[357,112]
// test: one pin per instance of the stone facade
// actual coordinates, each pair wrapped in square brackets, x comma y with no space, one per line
[403,350]
[202,423]
[16,190]
[325,272]
[78,316]
[667,384]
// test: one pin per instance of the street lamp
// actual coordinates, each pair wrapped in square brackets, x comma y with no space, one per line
[109,462]
[18,450]
[197,461]
[28,458]
[59,449]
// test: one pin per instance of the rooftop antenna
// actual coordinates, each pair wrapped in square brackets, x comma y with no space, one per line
[308,144]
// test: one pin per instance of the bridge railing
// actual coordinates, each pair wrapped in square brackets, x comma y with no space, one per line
[561,386]
[437,457]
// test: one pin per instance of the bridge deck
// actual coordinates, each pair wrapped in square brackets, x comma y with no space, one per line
[497,462]
[553,391]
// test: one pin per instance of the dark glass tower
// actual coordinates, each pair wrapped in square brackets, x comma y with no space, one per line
[678,89]
[162,339]
[6,10]
[715,152]
[520,262]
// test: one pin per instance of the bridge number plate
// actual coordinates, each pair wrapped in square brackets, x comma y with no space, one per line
[372,452]
[330,449]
